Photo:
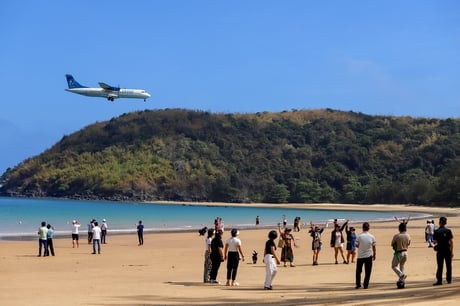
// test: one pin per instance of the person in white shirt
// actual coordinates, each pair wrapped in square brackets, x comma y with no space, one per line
[104,228]
[75,235]
[232,251]
[365,242]
[96,238]
[429,231]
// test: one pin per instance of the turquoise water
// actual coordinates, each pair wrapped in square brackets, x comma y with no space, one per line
[21,217]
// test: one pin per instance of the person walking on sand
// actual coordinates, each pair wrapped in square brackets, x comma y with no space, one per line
[217,256]
[337,240]
[207,257]
[42,239]
[400,244]
[49,240]
[316,244]
[444,246]
[286,251]
[232,253]
[270,260]
[351,243]
[140,233]
[96,238]
[75,235]
[365,242]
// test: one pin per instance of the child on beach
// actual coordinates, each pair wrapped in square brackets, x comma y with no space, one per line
[270,260]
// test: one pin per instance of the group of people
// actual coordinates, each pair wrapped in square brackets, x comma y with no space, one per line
[216,253]
[45,239]
[360,246]
[96,234]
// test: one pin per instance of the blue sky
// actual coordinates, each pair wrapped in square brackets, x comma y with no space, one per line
[376,57]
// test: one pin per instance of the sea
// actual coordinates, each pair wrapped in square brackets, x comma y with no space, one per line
[21,217]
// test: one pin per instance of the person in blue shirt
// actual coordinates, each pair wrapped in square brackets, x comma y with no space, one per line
[49,238]
[140,233]
[351,243]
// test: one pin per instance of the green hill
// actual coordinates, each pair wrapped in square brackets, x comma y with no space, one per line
[297,156]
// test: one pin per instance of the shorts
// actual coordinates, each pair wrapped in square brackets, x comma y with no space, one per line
[75,237]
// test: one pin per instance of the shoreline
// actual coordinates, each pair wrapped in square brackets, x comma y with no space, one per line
[428,213]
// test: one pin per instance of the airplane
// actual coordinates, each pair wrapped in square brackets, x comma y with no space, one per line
[105,91]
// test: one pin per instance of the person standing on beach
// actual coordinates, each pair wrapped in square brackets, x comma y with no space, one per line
[286,251]
[96,238]
[104,227]
[271,260]
[232,253]
[429,232]
[217,256]
[90,230]
[75,235]
[140,233]
[444,246]
[42,239]
[337,241]
[316,244]
[49,240]
[207,257]
[351,243]
[257,220]
[365,242]
[400,243]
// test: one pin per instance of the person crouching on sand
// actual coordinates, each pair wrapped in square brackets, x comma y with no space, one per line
[270,260]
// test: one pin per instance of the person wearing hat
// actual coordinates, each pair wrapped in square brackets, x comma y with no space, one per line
[104,231]
[232,253]
[75,235]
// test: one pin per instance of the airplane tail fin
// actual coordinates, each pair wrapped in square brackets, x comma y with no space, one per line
[72,83]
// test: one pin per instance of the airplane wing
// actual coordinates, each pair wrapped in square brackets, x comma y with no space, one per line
[108,87]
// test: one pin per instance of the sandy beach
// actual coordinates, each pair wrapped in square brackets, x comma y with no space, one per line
[168,269]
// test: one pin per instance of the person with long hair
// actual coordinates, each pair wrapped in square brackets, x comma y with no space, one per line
[207,256]
[316,243]
[337,240]
[232,253]
[286,251]
[217,256]
[351,243]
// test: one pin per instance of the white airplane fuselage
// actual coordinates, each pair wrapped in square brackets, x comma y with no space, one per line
[104,93]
